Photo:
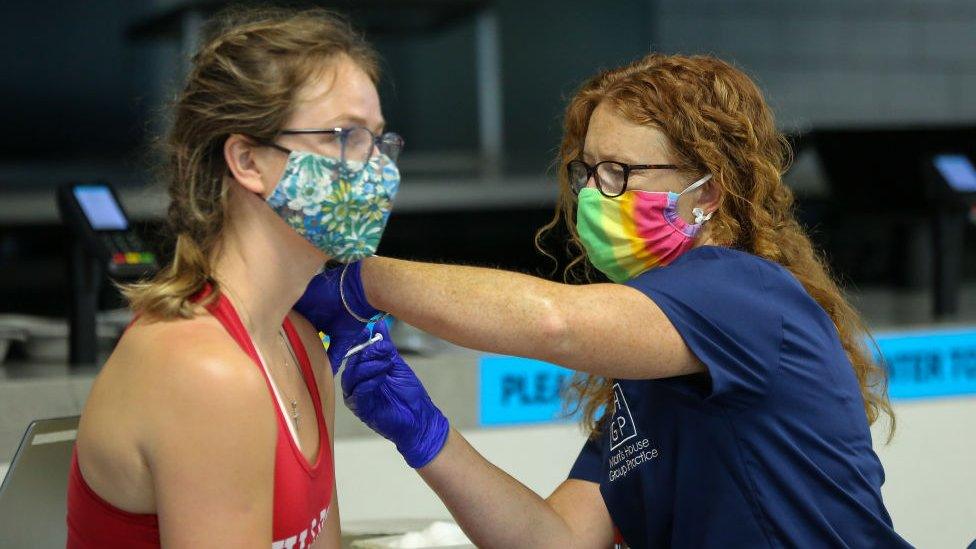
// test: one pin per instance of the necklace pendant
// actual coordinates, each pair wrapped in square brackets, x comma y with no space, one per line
[294,412]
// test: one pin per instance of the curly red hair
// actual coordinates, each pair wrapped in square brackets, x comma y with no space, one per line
[717,122]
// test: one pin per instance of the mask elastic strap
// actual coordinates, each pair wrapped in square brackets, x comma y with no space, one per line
[696,184]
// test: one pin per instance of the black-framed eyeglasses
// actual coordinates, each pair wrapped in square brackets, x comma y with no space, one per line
[352,144]
[611,177]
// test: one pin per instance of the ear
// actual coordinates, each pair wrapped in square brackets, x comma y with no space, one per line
[241,157]
[711,195]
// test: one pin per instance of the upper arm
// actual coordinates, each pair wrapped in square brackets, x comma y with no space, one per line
[580,505]
[211,449]
[616,331]
[723,313]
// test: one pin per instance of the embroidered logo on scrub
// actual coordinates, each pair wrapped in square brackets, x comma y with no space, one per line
[626,454]
[622,428]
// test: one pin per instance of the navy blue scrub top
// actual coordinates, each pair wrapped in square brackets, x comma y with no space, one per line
[771,448]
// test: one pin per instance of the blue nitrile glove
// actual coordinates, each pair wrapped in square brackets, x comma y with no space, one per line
[386,395]
[322,306]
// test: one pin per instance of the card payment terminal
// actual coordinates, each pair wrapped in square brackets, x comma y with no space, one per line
[92,212]
[102,241]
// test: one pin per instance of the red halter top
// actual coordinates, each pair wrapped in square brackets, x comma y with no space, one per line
[302,491]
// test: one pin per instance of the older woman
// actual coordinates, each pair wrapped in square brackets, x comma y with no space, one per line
[722,374]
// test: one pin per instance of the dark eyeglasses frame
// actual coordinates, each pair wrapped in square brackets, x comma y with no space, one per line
[591,173]
[377,139]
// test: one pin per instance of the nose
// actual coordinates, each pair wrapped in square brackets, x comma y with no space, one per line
[591,181]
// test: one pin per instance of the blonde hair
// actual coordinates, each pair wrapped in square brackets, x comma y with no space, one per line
[244,80]
[717,122]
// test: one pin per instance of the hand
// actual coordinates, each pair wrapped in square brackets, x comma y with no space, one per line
[383,392]
[322,306]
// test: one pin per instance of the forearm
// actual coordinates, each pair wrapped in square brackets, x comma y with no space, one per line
[492,508]
[486,309]
[610,330]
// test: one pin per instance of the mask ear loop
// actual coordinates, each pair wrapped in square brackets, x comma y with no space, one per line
[700,215]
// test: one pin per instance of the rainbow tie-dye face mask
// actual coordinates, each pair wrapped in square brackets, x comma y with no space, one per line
[636,231]
[340,207]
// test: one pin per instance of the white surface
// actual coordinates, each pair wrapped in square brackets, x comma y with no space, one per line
[437,534]
[930,468]
[930,490]
[46,339]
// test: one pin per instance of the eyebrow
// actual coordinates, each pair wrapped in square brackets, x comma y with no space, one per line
[594,159]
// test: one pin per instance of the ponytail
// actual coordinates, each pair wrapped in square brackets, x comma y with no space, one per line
[170,293]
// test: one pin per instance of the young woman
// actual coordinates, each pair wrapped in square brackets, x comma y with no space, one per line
[210,423]
[735,387]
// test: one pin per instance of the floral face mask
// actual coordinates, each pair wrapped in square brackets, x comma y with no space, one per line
[340,207]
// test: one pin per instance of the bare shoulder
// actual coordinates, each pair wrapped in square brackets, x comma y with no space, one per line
[168,383]
[186,362]
[199,346]
[209,428]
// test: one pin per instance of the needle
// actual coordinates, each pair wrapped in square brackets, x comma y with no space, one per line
[357,348]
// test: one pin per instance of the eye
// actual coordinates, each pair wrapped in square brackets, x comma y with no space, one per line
[327,138]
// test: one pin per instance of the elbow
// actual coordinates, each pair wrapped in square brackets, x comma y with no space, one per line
[555,332]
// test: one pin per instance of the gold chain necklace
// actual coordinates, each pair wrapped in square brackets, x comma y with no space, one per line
[294,403]
[295,416]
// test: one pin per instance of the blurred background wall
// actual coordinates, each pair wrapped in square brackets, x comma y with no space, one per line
[837,62]
[81,88]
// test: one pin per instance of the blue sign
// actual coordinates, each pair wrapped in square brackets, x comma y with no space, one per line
[929,363]
[920,364]
[519,390]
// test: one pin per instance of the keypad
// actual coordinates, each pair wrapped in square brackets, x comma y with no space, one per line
[127,249]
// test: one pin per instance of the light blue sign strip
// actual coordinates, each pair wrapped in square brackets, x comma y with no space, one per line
[931,363]
[520,390]
[921,364]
